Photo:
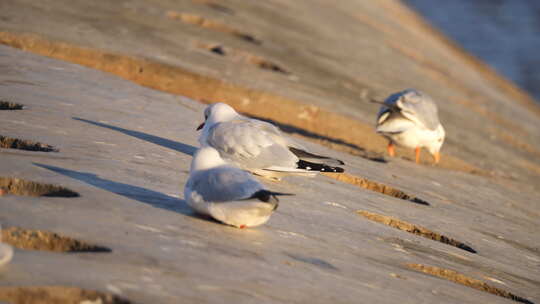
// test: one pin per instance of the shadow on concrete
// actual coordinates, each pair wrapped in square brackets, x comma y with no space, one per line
[160,141]
[313,261]
[373,156]
[140,194]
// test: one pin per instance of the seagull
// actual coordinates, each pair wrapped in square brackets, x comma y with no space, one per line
[410,119]
[259,147]
[227,193]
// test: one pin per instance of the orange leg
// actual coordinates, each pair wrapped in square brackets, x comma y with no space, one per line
[437,157]
[417,154]
[390,149]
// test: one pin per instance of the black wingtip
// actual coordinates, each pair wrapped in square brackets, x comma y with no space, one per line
[268,197]
[307,156]
[302,164]
[338,169]
[264,196]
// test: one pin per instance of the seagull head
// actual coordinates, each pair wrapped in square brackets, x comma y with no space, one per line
[213,114]
[435,146]
[217,112]
[206,158]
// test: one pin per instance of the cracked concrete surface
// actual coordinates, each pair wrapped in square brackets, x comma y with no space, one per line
[338,56]
[126,149]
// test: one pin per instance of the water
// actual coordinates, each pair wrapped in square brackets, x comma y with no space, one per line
[503,33]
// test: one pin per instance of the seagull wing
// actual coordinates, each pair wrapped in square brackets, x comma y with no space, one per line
[224,184]
[419,108]
[251,144]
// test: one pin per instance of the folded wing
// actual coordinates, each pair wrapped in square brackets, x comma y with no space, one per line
[224,184]
[251,144]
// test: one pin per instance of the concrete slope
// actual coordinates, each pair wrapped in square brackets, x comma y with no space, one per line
[119,225]
[309,65]
[92,165]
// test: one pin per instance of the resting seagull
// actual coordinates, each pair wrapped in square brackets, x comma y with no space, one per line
[410,119]
[258,146]
[226,193]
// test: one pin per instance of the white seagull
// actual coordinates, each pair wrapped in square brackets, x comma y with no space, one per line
[226,193]
[258,146]
[410,119]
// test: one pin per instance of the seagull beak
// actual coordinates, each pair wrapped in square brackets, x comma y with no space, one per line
[437,157]
[200,126]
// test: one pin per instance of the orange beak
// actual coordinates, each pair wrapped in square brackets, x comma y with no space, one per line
[200,126]
[437,157]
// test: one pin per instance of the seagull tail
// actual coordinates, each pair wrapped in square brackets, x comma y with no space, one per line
[306,165]
[314,158]
[269,197]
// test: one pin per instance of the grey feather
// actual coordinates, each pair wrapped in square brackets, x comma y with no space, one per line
[393,123]
[413,105]
[223,184]
[251,144]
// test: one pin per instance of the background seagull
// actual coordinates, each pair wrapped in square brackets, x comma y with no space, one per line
[258,146]
[226,193]
[410,119]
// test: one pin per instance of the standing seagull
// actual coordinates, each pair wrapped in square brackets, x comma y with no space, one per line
[258,146]
[226,193]
[409,119]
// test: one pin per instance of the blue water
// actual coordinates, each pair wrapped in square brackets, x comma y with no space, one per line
[503,33]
